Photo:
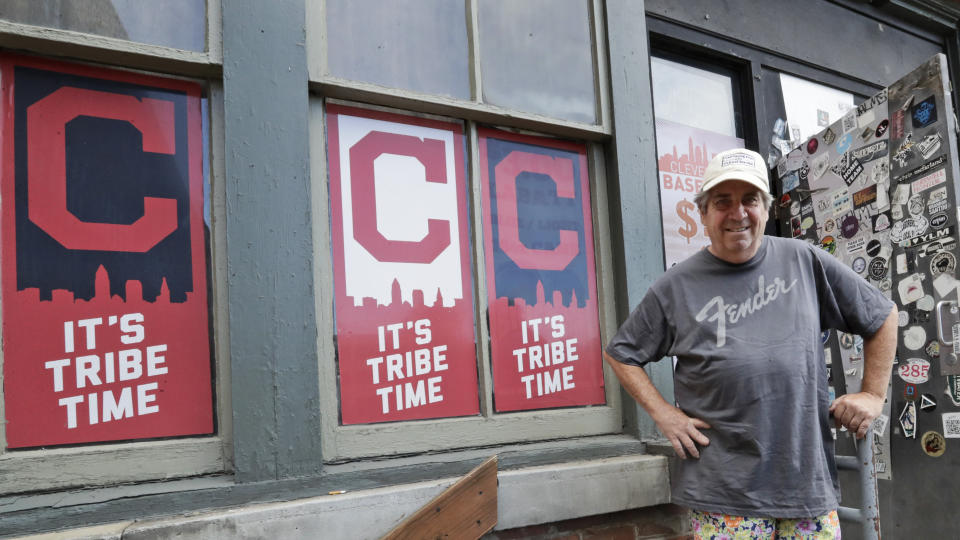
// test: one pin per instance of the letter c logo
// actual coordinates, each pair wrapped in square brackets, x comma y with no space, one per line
[47,169]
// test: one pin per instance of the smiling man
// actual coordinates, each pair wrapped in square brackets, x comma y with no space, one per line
[744,318]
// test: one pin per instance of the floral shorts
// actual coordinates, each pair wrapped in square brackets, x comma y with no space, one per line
[710,526]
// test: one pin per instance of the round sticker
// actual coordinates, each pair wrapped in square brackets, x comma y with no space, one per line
[885,284]
[807,222]
[873,248]
[878,268]
[785,200]
[914,338]
[829,244]
[882,128]
[795,208]
[914,370]
[926,303]
[915,204]
[824,336]
[943,262]
[934,445]
[859,265]
[933,349]
[812,145]
[846,340]
[903,319]
[937,221]
[849,226]
[828,226]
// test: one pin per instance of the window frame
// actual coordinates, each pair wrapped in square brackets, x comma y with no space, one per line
[110,463]
[344,443]
[330,86]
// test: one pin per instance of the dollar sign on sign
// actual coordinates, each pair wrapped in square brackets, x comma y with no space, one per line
[684,207]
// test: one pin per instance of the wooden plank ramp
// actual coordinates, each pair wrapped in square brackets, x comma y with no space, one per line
[467,509]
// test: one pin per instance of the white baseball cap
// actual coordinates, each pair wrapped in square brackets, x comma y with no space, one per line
[737,164]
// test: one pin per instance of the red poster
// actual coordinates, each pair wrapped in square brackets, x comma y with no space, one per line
[541,277]
[105,315]
[404,294]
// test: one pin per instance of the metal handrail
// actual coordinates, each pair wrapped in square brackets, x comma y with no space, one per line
[869,515]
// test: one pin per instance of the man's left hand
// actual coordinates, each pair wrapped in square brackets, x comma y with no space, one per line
[856,412]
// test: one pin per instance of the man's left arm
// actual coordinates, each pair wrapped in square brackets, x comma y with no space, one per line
[857,411]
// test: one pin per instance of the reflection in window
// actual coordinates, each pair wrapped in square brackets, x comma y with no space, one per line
[180,24]
[693,97]
[418,45]
[811,107]
[536,56]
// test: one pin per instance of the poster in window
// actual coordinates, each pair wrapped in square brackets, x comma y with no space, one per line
[106,332]
[541,279]
[402,272]
[683,153]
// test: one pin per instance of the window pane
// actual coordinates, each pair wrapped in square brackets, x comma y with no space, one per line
[180,24]
[536,56]
[811,106]
[418,45]
[693,97]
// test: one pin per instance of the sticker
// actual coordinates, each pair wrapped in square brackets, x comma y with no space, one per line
[901,263]
[878,268]
[944,284]
[866,134]
[902,193]
[873,248]
[795,226]
[929,145]
[908,420]
[927,403]
[859,265]
[933,349]
[914,370]
[928,166]
[872,151]
[812,146]
[807,223]
[795,208]
[937,221]
[865,197]
[848,168]
[915,204]
[926,303]
[819,165]
[791,181]
[943,262]
[897,124]
[846,340]
[896,212]
[880,222]
[953,389]
[903,319]
[908,228]
[924,113]
[824,336]
[885,284]
[828,226]
[828,136]
[929,181]
[951,425]
[842,202]
[823,118]
[881,128]
[850,226]
[939,194]
[943,234]
[856,245]
[828,244]
[936,207]
[909,391]
[879,426]
[931,248]
[934,445]
[847,123]
[913,339]
[910,289]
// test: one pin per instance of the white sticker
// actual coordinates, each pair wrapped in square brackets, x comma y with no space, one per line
[880,425]
[819,165]
[902,194]
[827,355]
[903,319]
[842,203]
[902,266]
[914,370]
[955,334]
[944,284]
[910,289]
[951,425]
[914,338]
[848,122]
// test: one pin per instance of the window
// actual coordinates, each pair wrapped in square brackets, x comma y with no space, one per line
[483,59]
[110,338]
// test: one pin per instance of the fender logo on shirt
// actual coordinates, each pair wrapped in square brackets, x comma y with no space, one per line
[721,312]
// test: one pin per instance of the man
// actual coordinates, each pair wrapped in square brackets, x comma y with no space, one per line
[744,318]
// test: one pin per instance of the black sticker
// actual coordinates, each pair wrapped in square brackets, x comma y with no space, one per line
[873,248]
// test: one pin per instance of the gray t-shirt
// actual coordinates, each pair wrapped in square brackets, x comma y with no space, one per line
[750,363]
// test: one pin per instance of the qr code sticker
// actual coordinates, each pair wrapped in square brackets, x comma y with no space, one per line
[881,466]
[951,425]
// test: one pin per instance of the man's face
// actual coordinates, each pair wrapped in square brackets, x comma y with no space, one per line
[734,220]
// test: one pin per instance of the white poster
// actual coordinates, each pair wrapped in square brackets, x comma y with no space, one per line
[683,153]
